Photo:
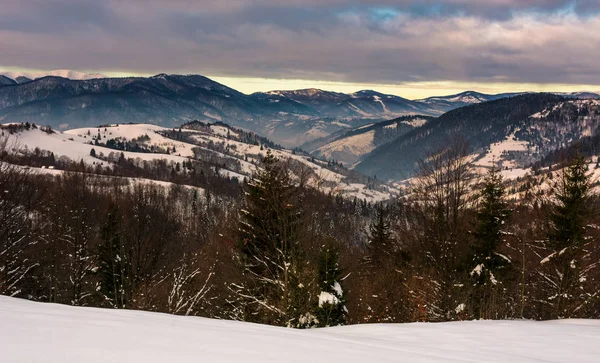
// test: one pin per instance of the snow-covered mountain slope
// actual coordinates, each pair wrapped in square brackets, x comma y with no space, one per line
[35,332]
[231,152]
[70,99]
[77,144]
[468,97]
[515,131]
[349,149]
[362,104]
[447,103]
[580,95]
[349,146]
[67,99]
[542,182]
[64,73]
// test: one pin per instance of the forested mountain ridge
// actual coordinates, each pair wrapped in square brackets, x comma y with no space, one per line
[348,147]
[462,99]
[518,130]
[287,117]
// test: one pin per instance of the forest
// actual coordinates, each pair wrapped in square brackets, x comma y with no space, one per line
[273,250]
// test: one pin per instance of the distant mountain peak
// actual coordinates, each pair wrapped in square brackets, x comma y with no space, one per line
[4,80]
[160,75]
[367,92]
[64,73]
[23,79]
[307,92]
[467,97]
[312,91]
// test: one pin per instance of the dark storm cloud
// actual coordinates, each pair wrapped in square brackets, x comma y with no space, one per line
[360,41]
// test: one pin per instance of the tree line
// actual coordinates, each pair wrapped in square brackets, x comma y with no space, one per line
[279,252]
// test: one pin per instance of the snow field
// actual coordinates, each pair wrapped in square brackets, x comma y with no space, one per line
[356,145]
[36,332]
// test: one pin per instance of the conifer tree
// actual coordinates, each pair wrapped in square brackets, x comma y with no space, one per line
[331,310]
[380,239]
[567,241]
[488,264]
[269,245]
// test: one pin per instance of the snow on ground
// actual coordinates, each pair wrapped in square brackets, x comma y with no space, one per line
[364,126]
[75,144]
[415,122]
[378,99]
[341,124]
[498,149]
[510,174]
[222,131]
[65,73]
[361,191]
[316,133]
[35,332]
[133,131]
[358,110]
[349,147]
[128,180]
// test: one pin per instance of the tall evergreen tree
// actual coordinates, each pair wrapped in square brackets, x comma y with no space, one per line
[489,266]
[567,241]
[331,310]
[269,244]
[380,239]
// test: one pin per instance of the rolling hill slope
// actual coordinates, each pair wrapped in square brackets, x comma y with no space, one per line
[35,332]
[230,152]
[348,147]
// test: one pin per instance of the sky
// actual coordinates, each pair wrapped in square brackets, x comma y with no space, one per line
[412,48]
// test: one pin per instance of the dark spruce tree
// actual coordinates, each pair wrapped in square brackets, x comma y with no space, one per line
[568,286]
[380,239]
[331,309]
[269,246]
[490,267]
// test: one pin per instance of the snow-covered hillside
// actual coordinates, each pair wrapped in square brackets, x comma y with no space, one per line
[64,73]
[468,97]
[350,149]
[34,332]
[350,146]
[216,145]
[516,131]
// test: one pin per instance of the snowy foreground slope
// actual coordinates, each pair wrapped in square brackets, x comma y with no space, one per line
[35,332]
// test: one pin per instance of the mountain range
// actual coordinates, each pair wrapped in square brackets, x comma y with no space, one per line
[379,135]
[513,132]
[288,117]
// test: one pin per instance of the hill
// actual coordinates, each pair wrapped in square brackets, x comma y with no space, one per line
[35,332]
[515,131]
[220,149]
[348,147]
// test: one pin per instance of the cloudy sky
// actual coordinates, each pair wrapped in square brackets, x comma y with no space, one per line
[413,48]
